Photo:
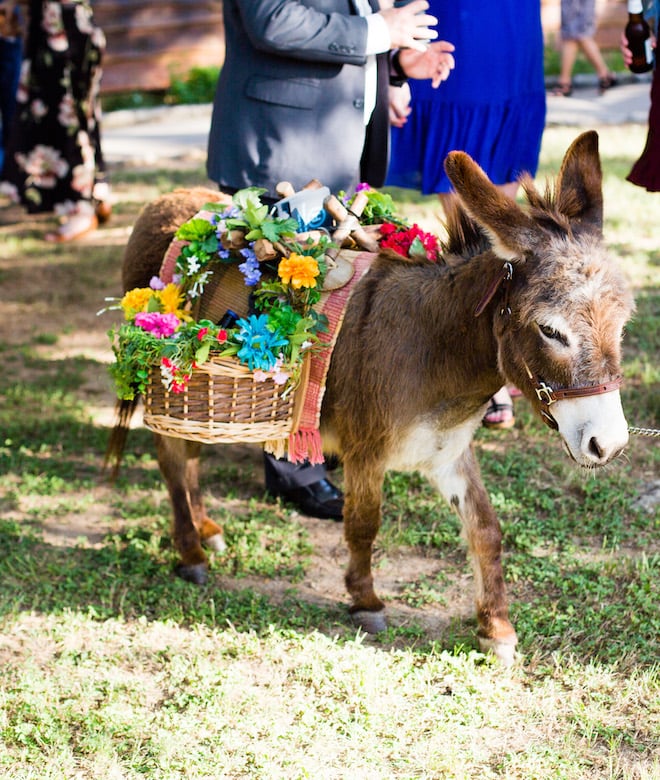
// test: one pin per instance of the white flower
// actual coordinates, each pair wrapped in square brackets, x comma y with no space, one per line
[193,264]
[38,109]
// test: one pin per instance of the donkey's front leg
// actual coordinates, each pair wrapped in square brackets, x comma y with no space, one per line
[362,499]
[179,463]
[460,483]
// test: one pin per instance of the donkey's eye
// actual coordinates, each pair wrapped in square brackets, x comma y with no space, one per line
[553,334]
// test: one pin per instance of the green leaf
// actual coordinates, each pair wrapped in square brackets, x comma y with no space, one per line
[273,230]
[202,354]
[417,249]
[250,195]
[195,229]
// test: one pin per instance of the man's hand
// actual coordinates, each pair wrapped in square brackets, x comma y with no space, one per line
[436,63]
[409,25]
[625,51]
[399,105]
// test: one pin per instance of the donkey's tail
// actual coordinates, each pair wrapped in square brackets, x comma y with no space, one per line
[124,411]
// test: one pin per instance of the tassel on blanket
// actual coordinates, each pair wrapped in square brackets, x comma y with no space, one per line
[305,444]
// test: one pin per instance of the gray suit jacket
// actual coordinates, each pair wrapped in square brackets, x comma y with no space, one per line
[290,98]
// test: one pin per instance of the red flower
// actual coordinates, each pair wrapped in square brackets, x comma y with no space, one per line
[201,333]
[222,336]
[403,240]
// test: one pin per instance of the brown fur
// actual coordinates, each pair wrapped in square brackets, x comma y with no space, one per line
[413,368]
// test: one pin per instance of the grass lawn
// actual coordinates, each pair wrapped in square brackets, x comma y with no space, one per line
[112,668]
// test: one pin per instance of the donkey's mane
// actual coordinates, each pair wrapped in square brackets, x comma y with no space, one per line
[464,236]
[545,208]
[466,239]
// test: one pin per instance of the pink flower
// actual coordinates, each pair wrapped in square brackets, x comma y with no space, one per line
[159,325]
[180,386]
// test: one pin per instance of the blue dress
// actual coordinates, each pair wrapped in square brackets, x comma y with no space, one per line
[493,104]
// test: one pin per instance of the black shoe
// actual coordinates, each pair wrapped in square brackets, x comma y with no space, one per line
[320,499]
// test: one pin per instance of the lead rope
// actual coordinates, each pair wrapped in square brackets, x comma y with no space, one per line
[653,432]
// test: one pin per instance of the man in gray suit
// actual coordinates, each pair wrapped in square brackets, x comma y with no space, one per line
[303,94]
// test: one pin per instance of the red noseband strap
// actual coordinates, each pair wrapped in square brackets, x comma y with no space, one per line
[547,395]
[544,392]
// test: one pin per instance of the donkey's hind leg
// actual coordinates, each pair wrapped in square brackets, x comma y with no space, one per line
[179,464]
[362,514]
[460,483]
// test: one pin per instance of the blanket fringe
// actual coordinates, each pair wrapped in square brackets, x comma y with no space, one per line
[305,444]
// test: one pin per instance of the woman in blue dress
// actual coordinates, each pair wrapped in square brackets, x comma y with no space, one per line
[492,107]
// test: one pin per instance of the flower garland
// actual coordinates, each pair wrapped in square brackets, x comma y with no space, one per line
[285,271]
[159,330]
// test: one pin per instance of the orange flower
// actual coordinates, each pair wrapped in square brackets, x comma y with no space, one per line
[171,300]
[298,271]
[135,301]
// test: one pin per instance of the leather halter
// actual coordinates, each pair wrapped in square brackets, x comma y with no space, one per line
[548,396]
[545,394]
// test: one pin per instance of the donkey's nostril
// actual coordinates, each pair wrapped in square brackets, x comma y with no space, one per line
[595,449]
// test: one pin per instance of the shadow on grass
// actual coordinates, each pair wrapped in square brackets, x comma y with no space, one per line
[131,576]
[52,454]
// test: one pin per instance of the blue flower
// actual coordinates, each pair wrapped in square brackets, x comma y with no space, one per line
[260,346]
[250,268]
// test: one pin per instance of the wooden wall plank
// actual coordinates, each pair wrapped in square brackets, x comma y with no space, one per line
[148,41]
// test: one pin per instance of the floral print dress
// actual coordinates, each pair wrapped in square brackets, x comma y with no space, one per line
[54,157]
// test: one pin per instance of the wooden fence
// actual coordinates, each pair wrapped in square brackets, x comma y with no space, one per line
[149,41]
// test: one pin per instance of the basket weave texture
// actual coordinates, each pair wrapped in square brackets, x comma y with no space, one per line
[222,403]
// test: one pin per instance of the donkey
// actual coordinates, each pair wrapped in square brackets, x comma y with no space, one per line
[525,295]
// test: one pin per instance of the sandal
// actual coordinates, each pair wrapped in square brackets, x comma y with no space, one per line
[499,415]
[75,227]
[103,211]
[607,83]
[562,90]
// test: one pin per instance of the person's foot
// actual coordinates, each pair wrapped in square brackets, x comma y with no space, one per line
[75,227]
[562,90]
[320,499]
[499,413]
[103,211]
[607,82]
[304,485]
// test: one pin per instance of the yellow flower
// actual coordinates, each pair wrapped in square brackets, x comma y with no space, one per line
[171,299]
[298,270]
[135,301]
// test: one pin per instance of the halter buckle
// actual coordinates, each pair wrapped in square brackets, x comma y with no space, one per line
[545,394]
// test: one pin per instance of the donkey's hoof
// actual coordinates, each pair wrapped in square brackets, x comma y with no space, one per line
[371,622]
[504,651]
[215,543]
[197,573]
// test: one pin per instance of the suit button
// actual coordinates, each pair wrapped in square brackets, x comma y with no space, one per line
[358,103]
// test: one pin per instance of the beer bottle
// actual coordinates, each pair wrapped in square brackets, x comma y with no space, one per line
[639,38]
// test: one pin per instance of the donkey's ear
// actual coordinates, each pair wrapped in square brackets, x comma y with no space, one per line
[509,229]
[579,187]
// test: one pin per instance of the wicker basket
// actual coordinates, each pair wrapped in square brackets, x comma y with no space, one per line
[222,404]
